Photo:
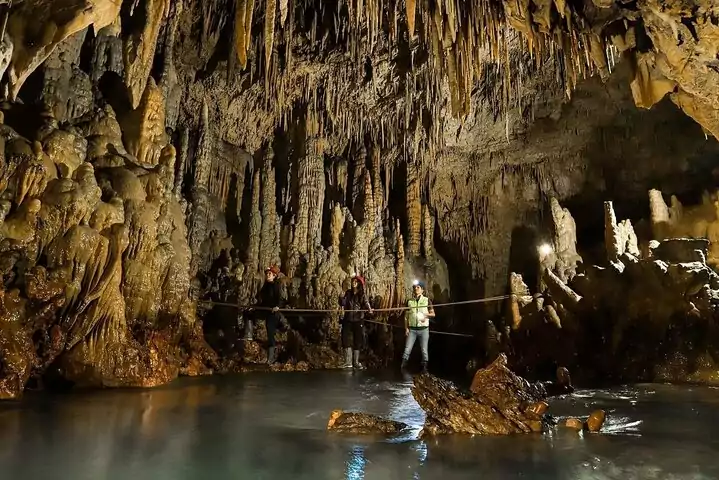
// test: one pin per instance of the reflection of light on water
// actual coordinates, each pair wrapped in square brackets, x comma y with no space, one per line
[403,408]
[356,464]
[421,449]
[621,425]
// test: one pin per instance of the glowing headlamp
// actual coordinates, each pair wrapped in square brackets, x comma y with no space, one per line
[415,282]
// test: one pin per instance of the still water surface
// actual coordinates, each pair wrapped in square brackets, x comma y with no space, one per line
[272,426]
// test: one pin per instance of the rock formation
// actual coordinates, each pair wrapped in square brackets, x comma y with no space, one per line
[648,317]
[158,154]
[497,403]
[351,422]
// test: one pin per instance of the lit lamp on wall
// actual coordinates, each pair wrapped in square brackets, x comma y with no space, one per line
[545,249]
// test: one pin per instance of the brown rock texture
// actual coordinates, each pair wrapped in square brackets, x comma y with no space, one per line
[157,154]
[362,423]
[499,403]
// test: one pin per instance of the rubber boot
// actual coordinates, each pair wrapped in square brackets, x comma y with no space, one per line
[348,358]
[248,330]
[424,367]
[404,364]
[270,355]
[355,360]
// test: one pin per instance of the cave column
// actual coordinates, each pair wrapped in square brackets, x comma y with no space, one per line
[414,211]
[269,248]
[200,195]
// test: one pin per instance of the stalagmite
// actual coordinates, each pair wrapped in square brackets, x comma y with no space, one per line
[565,241]
[414,212]
[311,191]
[427,233]
[200,195]
[269,236]
[661,221]
[255,228]
[520,297]
[399,286]
[611,234]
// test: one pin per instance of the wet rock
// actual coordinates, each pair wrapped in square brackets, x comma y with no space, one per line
[596,420]
[498,403]
[574,424]
[352,422]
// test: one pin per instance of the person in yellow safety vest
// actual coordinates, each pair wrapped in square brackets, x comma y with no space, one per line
[416,324]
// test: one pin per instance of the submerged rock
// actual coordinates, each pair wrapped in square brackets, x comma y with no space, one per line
[353,422]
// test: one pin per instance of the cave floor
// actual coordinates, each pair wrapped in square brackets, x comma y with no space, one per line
[272,426]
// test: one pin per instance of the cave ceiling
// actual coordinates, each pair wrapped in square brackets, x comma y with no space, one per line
[410,77]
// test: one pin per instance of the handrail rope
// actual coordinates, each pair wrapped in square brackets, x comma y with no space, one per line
[393,309]
[341,310]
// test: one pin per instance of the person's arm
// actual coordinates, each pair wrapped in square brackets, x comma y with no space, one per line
[368,305]
[430,309]
[277,300]
[407,313]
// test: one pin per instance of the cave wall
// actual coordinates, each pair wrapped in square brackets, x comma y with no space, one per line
[396,141]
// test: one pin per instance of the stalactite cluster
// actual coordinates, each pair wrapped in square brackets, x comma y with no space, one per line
[179,140]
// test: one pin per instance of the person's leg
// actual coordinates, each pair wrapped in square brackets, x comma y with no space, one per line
[271,324]
[347,344]
[408,346]
[424,345]
[358,343]
[248,327]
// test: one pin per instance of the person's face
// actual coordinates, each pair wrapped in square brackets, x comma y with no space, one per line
[417,290]
[355,283]
[269,276]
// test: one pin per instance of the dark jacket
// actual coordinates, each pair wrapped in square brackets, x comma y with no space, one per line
[350,301]
[270,296]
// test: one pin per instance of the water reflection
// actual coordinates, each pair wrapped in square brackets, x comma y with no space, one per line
[273,427]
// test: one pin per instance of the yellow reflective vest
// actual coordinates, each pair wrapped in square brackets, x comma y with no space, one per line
[418,313]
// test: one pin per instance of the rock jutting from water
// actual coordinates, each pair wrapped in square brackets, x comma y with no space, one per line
[363,423]
[498,402]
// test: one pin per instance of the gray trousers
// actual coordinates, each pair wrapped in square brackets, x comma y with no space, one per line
[414,335]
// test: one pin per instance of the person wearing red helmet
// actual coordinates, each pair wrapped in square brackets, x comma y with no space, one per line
[353,322]
[270,299]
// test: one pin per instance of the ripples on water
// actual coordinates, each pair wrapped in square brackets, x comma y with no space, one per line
[272,426]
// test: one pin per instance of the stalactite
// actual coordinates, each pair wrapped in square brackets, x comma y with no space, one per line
[270,18]
[411,6]
[283,12]
[241,31]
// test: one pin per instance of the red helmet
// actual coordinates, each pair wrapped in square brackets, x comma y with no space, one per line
[274,269]
[360,279]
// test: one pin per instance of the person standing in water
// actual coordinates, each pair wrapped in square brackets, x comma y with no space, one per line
[270,299]
[353,322]
[416,324]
